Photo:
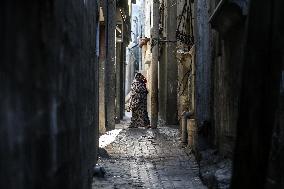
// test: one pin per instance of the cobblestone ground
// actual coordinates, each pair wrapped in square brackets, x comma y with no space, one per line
[146,158]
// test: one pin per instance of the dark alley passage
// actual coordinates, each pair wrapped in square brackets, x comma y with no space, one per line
[128,94]
[146,158]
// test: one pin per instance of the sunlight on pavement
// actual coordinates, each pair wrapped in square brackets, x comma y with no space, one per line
[146,158]
[108,138]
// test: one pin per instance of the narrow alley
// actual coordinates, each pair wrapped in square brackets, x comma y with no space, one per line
[146,158]
[150,94]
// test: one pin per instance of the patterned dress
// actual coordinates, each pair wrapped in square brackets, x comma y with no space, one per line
[138,104]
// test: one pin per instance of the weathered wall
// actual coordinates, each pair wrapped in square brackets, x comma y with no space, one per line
[161,83]
[171,62]
[102,119]
[203,62]
[48,113]
[168,68]
[119,82]
[218,71]
[123,80]
[259,99]
[227,63]
[185,58]
[110,87]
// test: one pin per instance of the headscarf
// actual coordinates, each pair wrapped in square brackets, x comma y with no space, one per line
[138,76]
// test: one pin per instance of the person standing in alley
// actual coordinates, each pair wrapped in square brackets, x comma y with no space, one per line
[138,102]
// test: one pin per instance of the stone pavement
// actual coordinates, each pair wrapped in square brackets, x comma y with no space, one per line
[146,158]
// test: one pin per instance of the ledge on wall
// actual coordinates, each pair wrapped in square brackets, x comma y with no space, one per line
[228,15]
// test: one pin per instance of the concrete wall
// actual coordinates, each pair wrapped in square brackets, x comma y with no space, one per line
[168,68]
[171,62]
[227,63]
[218,81]
[110,82]
[123,80]
[162,95]
[119,82]
[48,95]
[102,127]
[203,62]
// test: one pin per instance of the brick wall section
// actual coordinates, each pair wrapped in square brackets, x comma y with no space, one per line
[48,113]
